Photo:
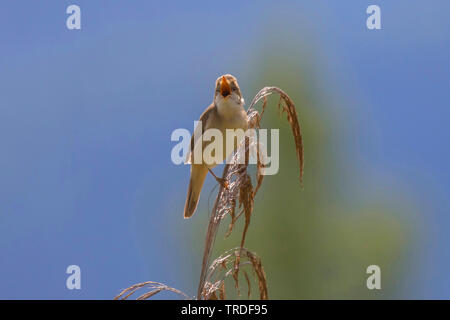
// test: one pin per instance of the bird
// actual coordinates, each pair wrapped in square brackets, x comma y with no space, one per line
[225,112]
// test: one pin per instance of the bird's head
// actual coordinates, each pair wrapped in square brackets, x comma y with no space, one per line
[227,88]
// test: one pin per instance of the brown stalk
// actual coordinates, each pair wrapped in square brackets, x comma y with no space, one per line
[155,287]
[241,187]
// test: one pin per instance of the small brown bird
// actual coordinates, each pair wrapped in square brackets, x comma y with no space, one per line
[226,112]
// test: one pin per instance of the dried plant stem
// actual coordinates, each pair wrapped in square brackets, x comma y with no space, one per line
[211,235]
[155,287]
[242,187]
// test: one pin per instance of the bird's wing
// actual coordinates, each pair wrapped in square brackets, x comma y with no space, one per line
[203,119]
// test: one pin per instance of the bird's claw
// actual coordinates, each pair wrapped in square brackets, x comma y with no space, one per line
[223,182]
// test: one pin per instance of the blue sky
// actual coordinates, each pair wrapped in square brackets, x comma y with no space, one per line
[82,114]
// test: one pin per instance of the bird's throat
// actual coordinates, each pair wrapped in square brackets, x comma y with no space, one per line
[228,108]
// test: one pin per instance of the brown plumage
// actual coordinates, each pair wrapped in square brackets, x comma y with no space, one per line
[226,112]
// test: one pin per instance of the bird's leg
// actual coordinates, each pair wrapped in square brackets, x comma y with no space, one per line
[222,181]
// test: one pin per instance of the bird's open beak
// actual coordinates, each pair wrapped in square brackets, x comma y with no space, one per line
[225,89]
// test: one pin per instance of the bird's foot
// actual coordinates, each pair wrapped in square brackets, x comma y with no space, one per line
[222,181]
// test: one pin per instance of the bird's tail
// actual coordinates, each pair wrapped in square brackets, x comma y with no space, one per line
[198,175]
